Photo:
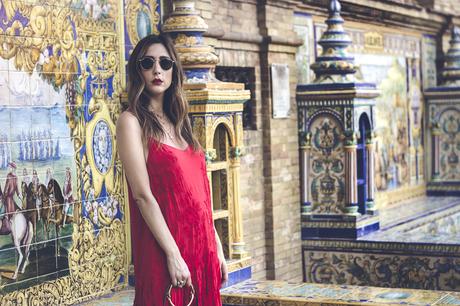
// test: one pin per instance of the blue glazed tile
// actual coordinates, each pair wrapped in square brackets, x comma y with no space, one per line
[238,276]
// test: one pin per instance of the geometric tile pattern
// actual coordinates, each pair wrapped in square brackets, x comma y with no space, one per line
[418,247]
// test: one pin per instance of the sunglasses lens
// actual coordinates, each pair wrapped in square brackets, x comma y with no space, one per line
[166,63]
[147,63]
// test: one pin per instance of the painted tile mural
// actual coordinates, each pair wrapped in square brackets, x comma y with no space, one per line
[399,109]
[62,231]
[393,62]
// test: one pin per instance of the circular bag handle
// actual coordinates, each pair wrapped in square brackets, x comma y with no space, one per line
[168,295]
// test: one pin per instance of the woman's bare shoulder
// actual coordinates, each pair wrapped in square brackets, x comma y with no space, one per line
[127,120]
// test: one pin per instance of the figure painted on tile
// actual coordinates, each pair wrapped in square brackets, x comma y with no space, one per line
[11,188]
[16,224]
[57,205]
[25,176]
[45,208]
[67,192]
[169,196]
[48,177]
[25,182]
[29,205]
[22,233]
[400,156]
[35,179]
[35,184]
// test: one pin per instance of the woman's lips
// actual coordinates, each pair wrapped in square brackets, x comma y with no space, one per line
[157,82]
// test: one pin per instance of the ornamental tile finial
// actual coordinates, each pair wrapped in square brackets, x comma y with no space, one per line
[451,70]
[186,27]
[334,65]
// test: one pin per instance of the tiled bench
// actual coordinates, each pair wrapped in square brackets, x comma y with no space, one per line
[278,293]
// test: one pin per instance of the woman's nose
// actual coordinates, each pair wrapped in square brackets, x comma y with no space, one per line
[156,67]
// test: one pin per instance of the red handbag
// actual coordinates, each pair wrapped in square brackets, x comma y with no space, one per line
[168,296]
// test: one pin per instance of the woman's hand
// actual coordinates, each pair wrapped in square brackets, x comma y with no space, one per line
[223,269]
[178,271]
[222,262]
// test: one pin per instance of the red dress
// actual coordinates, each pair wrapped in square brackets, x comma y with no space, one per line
[179,183]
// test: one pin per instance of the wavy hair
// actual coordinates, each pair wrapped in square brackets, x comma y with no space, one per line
[175,106]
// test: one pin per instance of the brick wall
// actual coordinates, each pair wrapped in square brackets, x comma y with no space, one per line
[269,169]
[257,34]
[241,54]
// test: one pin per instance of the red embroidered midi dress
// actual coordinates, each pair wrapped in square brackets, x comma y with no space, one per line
[179,183]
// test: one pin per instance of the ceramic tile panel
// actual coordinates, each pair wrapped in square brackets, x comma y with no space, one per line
[386,264]
[284,293]
[58,106]
[289,294]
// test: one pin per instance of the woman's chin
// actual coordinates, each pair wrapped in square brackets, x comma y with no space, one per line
[155,92]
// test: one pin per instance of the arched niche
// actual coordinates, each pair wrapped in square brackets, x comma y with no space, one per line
[221,185]
[363,161]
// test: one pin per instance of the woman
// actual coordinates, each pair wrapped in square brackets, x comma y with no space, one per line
[173,237]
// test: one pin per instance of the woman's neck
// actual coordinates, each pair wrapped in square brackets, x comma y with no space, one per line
[156,105]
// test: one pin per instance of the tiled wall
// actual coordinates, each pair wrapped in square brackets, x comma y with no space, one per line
[61,77]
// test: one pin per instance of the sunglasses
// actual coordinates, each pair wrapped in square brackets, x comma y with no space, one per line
[147,62]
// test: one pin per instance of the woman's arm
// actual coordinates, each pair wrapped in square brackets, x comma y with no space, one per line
[222,262]
[131,152]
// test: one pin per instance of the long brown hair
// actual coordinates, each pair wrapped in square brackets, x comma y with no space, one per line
[175,106]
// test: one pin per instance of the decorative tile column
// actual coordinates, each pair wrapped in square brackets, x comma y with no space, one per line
[443,105]
[186,27]
[330,111]
[305,147]
[370,205]
[435,134]
[216,108]
[351,188]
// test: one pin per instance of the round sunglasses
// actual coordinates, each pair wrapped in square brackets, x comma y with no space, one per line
[147,62]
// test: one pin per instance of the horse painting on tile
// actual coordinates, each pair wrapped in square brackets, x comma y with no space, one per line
[37,168]
[61,185]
